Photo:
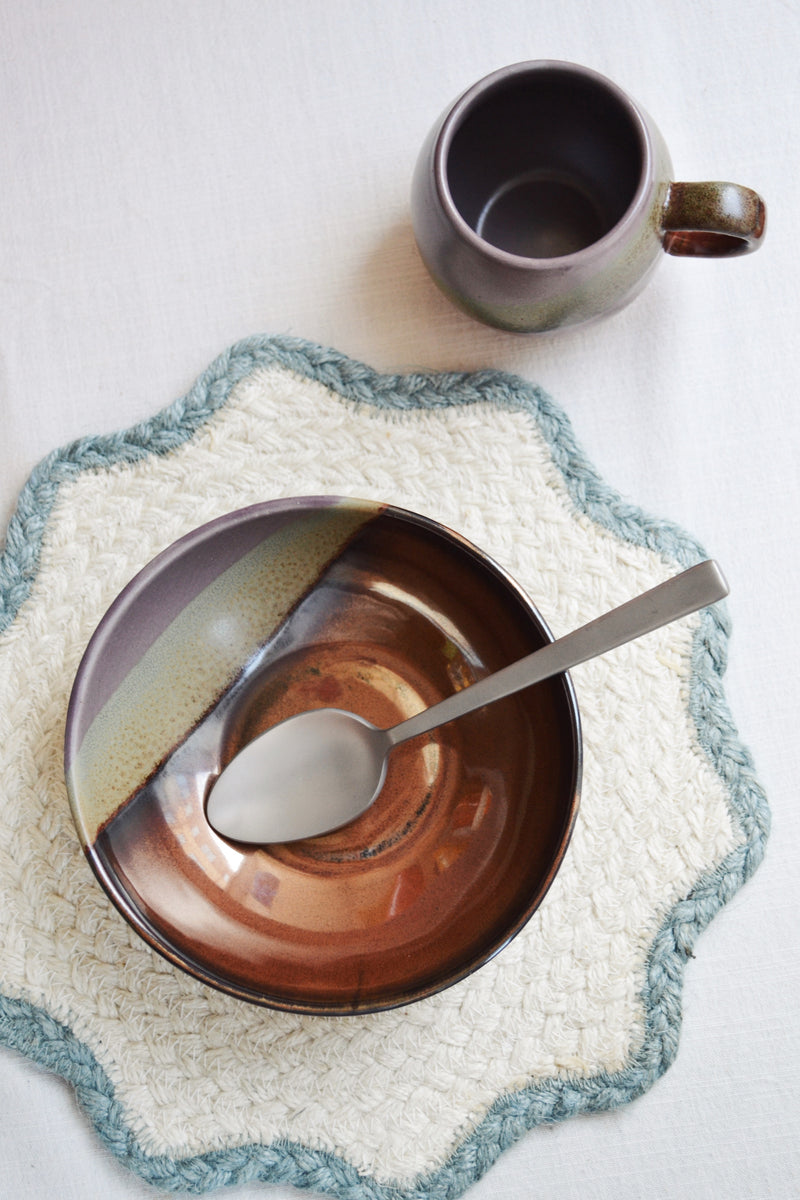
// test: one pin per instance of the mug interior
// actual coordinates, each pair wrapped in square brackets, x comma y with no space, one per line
[545,162]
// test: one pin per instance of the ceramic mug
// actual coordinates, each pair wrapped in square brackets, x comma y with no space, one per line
[544,197]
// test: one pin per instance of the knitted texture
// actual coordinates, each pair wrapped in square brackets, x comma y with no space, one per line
[193,1089]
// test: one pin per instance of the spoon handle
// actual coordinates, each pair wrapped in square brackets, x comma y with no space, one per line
[695,588]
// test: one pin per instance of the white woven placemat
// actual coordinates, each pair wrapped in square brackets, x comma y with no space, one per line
[194,1089]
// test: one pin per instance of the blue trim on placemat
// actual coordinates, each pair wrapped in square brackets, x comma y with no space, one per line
[36,1034]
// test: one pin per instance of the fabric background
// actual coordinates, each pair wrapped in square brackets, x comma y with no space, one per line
[178,176]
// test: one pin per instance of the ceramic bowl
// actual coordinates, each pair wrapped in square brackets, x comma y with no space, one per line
[298,604]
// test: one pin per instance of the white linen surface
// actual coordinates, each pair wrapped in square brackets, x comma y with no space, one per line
[179,175]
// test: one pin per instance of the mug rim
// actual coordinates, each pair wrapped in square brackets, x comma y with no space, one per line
[461,108]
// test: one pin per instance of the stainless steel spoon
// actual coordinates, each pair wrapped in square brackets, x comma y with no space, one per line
[318,770]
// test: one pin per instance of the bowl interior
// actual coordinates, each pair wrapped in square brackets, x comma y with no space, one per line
[303,604]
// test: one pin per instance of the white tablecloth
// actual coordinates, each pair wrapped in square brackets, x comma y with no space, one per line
[177,175]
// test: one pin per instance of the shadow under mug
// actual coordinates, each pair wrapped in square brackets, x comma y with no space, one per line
[544,197]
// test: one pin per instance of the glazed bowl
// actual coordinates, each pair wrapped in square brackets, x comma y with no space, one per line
[306,603]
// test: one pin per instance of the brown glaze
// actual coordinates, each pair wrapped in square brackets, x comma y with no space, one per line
[713,220]
[453,857]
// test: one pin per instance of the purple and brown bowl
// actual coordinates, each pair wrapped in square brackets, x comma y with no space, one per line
[308,603]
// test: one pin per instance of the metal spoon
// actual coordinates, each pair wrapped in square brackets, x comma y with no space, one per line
[318,770]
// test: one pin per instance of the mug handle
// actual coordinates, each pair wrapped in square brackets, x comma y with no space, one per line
[712,220]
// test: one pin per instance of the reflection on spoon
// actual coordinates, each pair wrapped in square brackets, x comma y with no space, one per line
[318,770]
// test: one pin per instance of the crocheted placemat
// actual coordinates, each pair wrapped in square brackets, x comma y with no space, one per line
[193,1089]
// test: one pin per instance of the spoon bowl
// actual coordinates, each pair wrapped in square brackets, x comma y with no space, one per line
[310,774]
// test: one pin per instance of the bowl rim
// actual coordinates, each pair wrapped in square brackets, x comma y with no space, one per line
[113,887]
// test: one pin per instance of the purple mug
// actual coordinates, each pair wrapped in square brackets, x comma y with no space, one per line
[544,196]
